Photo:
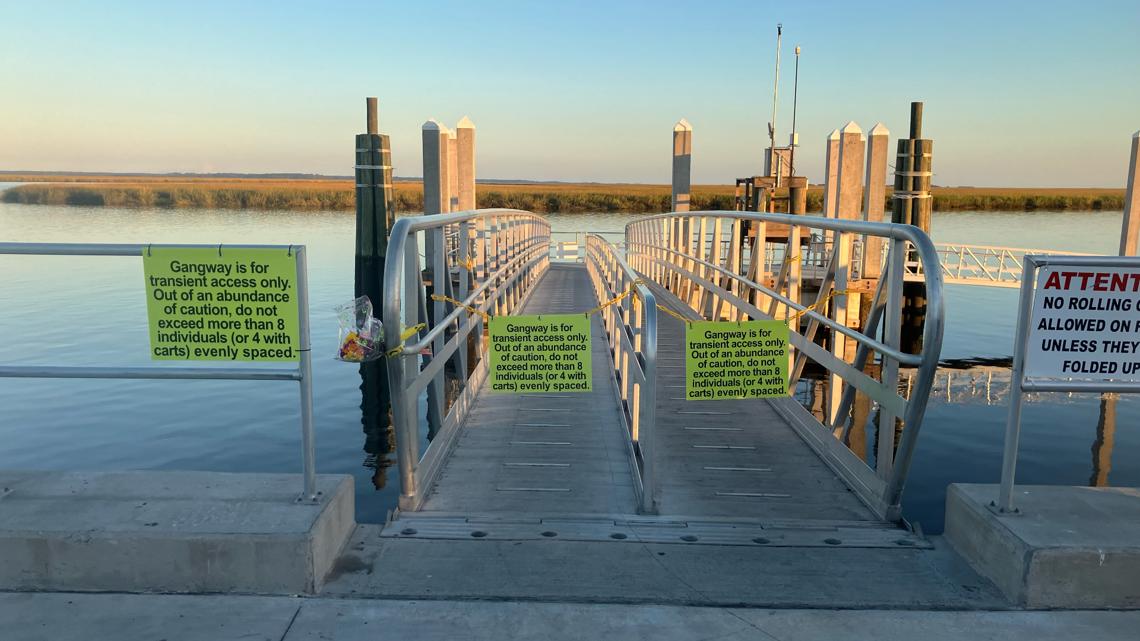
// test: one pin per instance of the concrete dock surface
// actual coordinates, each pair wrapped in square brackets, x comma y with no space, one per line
[135,617]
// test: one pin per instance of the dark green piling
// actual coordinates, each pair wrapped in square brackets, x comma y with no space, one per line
[375,213]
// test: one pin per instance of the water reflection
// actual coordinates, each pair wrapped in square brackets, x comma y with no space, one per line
[375,401]
[1105,438]
[961,384]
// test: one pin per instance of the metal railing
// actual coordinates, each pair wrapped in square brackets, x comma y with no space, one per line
[631,332]
[982,264]
[495,258]
[683,253]
[570,246]
[302,373]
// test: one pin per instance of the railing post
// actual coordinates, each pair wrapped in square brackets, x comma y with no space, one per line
[885,448]
[305,364]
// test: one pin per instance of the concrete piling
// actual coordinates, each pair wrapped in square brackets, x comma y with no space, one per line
[436,184]
[465,161]
[848,202]
[682,165]
[452,172]
[831,174]
[873,198]
[1130,227]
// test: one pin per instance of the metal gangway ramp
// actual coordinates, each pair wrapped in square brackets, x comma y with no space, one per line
[632,459]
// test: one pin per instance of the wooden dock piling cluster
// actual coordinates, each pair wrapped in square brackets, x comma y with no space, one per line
[375,213]
[911,205]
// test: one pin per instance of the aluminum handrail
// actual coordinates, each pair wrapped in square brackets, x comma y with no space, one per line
[496,255]
[806,310]
[302,373]
[662,247]
[631,329]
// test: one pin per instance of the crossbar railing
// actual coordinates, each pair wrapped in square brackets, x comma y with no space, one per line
[985,265]
[715,263]
[631,333]
[302,373]
[478,263]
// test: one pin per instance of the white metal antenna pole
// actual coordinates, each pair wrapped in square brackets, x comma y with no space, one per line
[792,142]
[775,97]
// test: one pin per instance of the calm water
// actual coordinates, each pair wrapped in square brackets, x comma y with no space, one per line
[91,311]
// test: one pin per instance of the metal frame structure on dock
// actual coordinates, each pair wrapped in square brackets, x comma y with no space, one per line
[302,373]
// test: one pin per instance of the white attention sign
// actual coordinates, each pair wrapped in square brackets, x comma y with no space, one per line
[1085,324]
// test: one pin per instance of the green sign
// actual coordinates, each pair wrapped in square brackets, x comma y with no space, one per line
[548,353]
[725,360]
[221,304]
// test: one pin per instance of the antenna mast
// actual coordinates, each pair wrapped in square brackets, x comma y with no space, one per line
[773,159]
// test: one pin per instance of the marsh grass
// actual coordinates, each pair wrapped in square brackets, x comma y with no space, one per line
[241,193]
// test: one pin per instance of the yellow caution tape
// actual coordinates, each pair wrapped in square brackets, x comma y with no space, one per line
[662,308]
[457,303]
[404,336]
[822,303]
[616,299]
[612,301]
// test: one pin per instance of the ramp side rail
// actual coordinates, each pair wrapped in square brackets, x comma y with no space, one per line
[302,373]
[982,264]
[488,260]
[712,263]
[631,333]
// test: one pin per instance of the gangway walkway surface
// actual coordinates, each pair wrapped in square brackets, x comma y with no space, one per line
[735,458]
[543,454]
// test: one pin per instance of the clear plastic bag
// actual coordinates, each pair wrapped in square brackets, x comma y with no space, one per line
[361,335]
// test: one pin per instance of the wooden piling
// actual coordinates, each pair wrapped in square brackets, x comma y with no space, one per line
[375,213]
[911,204]
[797,195]
[1130,227]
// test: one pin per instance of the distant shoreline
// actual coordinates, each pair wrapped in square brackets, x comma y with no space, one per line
[303,193]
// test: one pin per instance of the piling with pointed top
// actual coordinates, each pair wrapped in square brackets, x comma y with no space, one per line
[452,171]
[682,165]
[465,161]
[831,175]
[436,197]
[1130,227]
[848,203]
[874,195]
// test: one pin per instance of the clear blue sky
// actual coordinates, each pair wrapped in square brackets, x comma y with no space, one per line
[1017,93]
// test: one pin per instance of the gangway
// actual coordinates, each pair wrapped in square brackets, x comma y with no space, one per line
[633,451]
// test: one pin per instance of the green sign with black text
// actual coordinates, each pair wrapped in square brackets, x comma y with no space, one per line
[222,304]
[726,360]
[548,353]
